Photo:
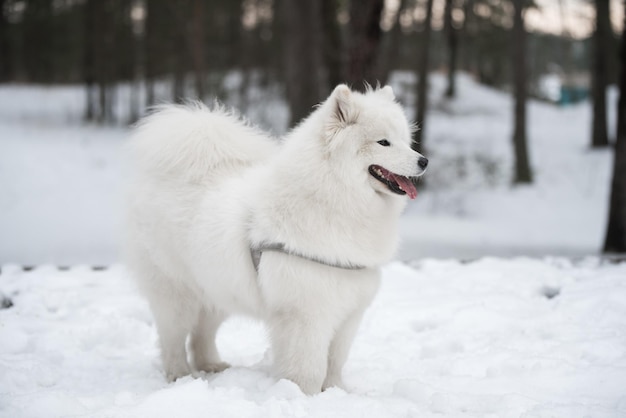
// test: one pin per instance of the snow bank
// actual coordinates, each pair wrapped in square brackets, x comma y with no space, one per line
[490,338]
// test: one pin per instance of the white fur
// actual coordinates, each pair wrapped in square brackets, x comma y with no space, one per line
[208,186]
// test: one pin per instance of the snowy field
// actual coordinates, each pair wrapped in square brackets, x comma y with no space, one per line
[491,338]
[514,336]
[61,180]
[471,210]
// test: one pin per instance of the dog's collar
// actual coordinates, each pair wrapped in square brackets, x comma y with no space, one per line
[257,250]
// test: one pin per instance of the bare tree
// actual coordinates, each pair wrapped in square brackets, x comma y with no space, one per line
[453,46]
[178,42]
[616,230]
[333,43]
[101,15]
[601,46]
[422,72]
[300,27]
[388,58]
[198,47]
[150,46]
[469,54]
[5,45]
[137,59]
[364,37]
[523,172]
[89,76]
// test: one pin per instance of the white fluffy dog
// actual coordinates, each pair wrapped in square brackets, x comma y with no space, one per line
[223,219]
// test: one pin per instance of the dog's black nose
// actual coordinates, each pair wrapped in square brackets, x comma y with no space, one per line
[422,163]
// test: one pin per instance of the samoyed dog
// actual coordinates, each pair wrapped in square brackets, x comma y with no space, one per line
[223,220]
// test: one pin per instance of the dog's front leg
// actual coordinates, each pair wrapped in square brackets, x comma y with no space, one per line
[300,347]
[340,348]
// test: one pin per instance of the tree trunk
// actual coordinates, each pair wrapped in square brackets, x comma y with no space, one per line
[6,72]
[364,38]
[333,45]
[89,60]
[38,28]
[138,59]
[388,59]
[523,173]
[422,86]
[197,47]
[469,51]
[248,43]
[101,35]
[150,54]
[601,46]
[178,42]
[300,24]
[453,43]
[616,231]
[104,58]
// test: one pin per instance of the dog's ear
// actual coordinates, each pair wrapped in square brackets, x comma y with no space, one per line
[387,91]
[344,109]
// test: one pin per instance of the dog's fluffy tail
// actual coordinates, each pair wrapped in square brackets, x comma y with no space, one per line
[190,142]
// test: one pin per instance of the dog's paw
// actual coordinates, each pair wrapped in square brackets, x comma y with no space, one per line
[213,367]
[173,375]
[333,382]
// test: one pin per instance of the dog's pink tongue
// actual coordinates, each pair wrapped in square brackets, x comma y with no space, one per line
[407,185]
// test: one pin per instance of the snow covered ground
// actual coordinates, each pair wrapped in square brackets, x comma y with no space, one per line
[512,337]
[490,338]
[61,180]
[470,208]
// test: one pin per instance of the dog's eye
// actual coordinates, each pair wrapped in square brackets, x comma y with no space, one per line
[384,142]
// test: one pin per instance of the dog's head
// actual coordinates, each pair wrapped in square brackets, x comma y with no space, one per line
[373,129]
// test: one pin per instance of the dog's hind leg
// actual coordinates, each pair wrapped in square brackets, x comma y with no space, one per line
[174,313]
[174,308]
[202,344]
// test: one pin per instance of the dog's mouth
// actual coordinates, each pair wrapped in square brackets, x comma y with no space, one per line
[396,183]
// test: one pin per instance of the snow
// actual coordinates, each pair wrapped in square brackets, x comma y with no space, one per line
[60,179]
[470,209]
[489,338]
[538,332]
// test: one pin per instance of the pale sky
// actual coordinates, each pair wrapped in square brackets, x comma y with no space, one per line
[576,17]
[559,17]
